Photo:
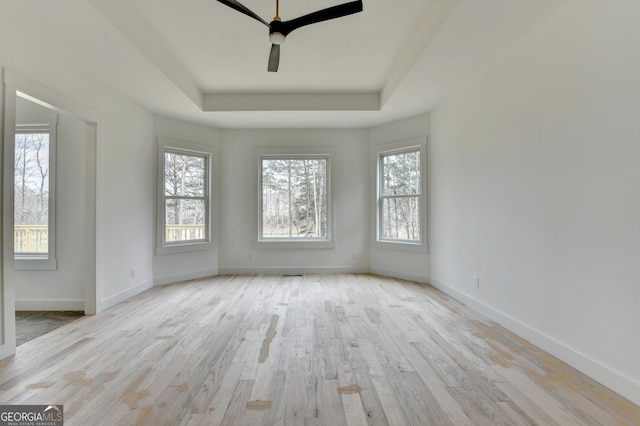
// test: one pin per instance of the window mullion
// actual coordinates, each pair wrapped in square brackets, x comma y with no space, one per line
[183,197]
[400,196]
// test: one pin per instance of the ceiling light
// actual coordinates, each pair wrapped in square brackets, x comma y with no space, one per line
[276,38]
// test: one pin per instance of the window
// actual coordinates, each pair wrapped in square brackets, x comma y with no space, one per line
[34,196]
[400,195]
[294,198]
[185,197]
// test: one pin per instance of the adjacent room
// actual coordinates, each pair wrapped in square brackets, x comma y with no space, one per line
[371,212]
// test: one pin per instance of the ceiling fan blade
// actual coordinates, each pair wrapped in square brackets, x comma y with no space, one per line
[243,9]
[321,15]
[274,58]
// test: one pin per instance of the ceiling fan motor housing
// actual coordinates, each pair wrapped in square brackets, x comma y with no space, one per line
[279,30]
[276,29]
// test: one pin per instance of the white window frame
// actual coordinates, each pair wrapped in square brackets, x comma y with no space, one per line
[186,148]
[399,147]
[41,261]
[297,153]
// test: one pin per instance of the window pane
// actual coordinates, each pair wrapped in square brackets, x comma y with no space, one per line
[401,173]
[185,220]
[401,218]
[294,198]
[184,175]
[31,209]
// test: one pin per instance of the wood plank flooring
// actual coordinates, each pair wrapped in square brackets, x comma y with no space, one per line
[315,350]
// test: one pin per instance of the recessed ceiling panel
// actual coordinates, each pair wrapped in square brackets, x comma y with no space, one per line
[201,61]
[227,51]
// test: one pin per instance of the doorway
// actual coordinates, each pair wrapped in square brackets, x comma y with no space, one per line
[49,215]
[52,217]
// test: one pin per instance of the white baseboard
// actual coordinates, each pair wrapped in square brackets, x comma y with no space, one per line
[274,270]
[609,377]
[6,351]
[184,277]
[50,305]
[124,295]
[403,275]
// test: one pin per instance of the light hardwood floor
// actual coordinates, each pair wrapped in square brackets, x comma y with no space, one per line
[316,349]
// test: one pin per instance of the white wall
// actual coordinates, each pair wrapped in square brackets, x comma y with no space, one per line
[126,160]
[7,316]
[239,196]
[125,153]
[64,288]
[405,264]
[534,188]
[170,268]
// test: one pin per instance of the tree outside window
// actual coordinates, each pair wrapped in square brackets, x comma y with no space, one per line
[31,191]
[185,197]
[400,196]
[294,198]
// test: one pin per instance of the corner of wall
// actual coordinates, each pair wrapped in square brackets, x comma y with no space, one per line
[124,295]
[582,362]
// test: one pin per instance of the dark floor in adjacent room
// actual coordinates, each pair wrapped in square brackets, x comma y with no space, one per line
[31,324]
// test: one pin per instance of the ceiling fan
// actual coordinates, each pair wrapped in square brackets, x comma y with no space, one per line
[279,30]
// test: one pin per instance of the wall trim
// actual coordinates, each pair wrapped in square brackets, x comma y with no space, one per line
[274,270]
[50,305]
[171,279]
[602,373]
[403,275]
[126,294]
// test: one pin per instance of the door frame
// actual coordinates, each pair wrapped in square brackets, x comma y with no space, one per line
[12,83]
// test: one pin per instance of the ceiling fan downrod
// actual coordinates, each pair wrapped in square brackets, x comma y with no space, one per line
[279,30]
[275,36]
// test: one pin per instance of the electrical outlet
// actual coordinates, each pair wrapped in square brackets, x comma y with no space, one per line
[133,272]
[476,280]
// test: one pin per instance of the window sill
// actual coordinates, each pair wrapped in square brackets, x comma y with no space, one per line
[274,243]
[184,248]
[34,263]
[401,246]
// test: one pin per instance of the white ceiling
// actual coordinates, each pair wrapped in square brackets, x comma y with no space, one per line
[202,61]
